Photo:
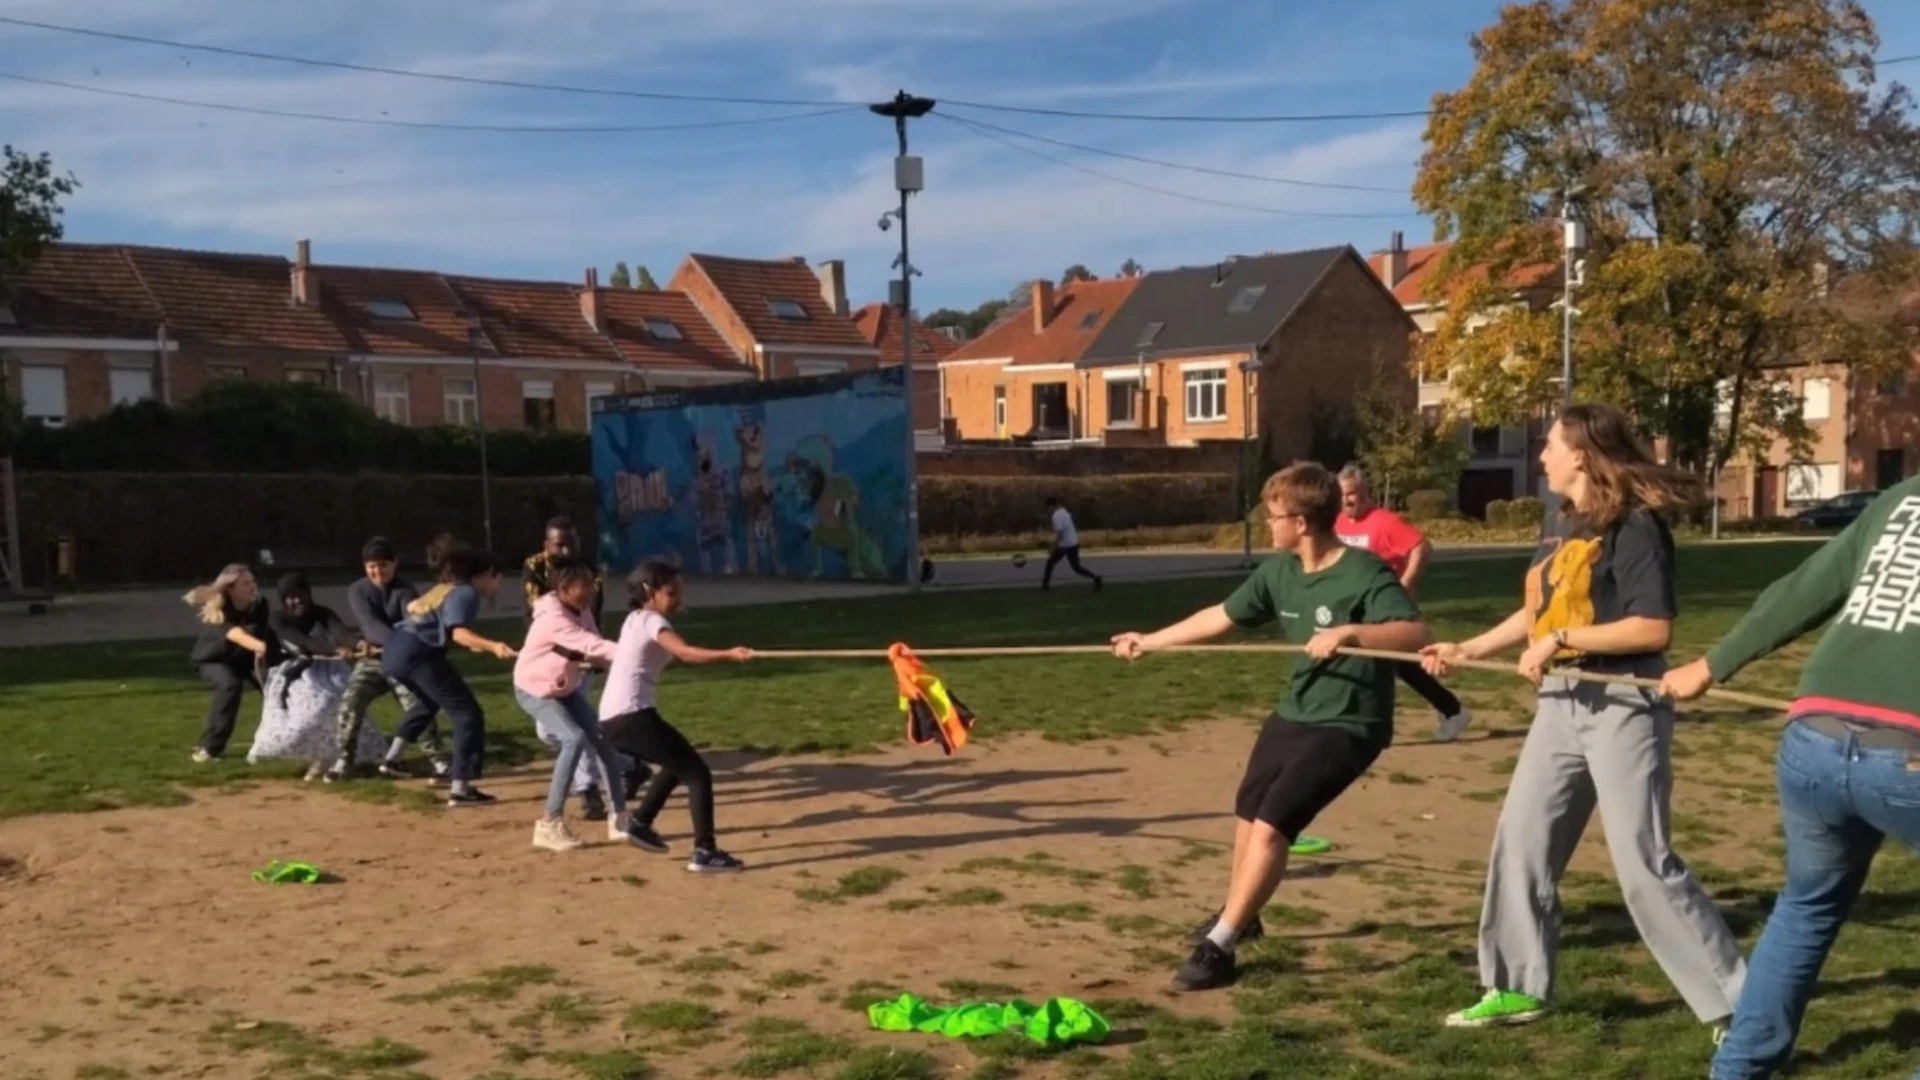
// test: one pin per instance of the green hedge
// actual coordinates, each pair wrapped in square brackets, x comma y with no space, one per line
[1526,512]
[977,505]
[287,428]
[1428,505]
[1496,513]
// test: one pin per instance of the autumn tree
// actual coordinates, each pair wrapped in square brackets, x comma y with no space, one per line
[1076,272]
[643,280]
[621,278]
[1402,450]
[1748,190]
[30,194]
[1130,268]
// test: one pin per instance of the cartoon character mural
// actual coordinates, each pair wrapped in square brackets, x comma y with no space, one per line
[791,477]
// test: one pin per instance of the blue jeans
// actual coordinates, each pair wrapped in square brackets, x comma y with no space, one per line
[1838,801]
[572,721]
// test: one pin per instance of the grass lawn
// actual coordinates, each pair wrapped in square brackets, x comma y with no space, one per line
[1324,996]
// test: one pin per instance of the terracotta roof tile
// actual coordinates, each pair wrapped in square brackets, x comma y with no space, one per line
[1081,309]
[879,325]
[536,320]
[748,284]
[438,326]
[1423,267]
[626,311]
[83,290]
[235,300]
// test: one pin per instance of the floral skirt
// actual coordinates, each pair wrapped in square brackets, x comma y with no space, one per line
[298,719]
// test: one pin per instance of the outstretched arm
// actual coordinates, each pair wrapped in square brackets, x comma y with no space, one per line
[671,641]
[1202,625]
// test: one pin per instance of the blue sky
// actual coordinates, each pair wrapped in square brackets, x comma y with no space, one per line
[548,205]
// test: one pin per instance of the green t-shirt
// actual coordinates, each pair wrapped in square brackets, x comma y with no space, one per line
[1351,693]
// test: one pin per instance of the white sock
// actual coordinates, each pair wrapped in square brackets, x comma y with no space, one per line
[461,787]
[398,747]
[1223,935]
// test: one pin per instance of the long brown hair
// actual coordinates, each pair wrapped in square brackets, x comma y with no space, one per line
[1621,475]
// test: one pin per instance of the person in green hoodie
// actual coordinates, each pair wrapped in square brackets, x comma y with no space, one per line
[1848,765]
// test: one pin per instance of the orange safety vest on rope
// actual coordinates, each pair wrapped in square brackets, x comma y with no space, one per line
[933,713]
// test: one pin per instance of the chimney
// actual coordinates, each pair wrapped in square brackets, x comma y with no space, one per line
[1042,304]
[305,290]
[590,299]
[1393,261]
[833,285]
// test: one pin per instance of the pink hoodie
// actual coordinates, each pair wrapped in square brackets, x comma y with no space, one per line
[540,671]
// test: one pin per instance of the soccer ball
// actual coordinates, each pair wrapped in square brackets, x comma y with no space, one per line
[1019,561]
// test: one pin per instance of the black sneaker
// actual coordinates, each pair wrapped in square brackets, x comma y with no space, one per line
[393,770]
[1209,967]
[644,838]
[1253,931]
[470,797]
[593,805]
[713,861]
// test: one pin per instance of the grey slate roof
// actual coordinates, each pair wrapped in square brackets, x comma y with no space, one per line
[1195,305]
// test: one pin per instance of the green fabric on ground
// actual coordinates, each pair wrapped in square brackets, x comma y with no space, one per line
[1054,1023]
[287,873]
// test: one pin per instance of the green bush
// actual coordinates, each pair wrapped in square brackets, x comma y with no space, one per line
[1526,512]
[973,505]
[1428,505]
[1496,513]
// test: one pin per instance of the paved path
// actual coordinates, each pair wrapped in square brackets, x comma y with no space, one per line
[149,614]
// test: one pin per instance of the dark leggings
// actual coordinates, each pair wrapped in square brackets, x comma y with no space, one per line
[433,680]
[1072,556]
[223,708]
[1428,687]
[648,736]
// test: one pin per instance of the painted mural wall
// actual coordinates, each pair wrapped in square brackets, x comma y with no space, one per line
[788,478]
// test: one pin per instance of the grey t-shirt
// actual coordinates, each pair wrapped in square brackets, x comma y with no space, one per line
[1586,577]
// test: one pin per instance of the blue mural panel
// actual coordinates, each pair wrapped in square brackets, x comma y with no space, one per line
[790,478]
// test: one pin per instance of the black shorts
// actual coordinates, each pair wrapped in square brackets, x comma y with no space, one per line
[1296,770]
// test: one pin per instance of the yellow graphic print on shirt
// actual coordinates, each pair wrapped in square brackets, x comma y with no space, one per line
[1560,590]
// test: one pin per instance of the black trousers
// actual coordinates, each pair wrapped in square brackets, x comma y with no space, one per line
[647,735]
[1072,556]
[223,707]
[433,679]
[1428,687]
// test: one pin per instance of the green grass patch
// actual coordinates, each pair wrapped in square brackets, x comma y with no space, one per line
[973,896]
[706,964]
[494,984]
[569,1013]
[887,1063]
[617,1064]
[670,1016]
[866,881]
[959,990]
[1075,911]
[776,1045]
[1135,881]
[790,979]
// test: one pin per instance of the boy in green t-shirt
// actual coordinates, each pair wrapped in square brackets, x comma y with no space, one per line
[1336,714]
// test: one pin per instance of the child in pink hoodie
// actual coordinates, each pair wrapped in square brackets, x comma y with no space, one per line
[547,683]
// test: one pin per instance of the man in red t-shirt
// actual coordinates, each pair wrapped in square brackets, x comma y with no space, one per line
[1366,525]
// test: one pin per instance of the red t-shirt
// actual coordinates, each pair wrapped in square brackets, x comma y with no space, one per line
[1382,532]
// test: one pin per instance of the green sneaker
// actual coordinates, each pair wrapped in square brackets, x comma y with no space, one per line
[1500,1008]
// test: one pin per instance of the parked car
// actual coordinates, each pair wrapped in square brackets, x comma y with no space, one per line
[1837,512]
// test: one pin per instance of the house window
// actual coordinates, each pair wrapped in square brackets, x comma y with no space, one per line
[1430,415]
[1889,467]
[43,392]
[1486,442]
[1892,384]
[1148,333]
[390,398]
[1091,317]
[663,329]
[1206,395]
[1000,411]
[819,367]
[1433,376]
[1816,396]
[217,372]
[387,308]
[1123,403]
[596,391]
[789,310]
[461,398]
[536,405]
[1808,483]
[1050,409]
[1245,299]
[307,376]
[129,386]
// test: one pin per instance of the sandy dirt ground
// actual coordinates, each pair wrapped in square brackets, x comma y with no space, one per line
[135,941]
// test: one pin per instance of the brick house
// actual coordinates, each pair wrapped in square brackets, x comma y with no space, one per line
[1272,348]
[1501,461]
[779,317]
[880,325]
[1011,381]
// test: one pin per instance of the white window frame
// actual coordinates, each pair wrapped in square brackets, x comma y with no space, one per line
[1208,382]
[1806,482]
[117,390]
[1816,399]
[460,408]
[537,390]
[390,404]
[999,410]
[48,377]
[816,366]
[596,391]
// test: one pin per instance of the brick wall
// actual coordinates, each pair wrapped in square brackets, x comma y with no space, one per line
[1885,414]
[128,527]
[502,391]
[1348,335]
[1760,489]
[968,390]
[1081,461]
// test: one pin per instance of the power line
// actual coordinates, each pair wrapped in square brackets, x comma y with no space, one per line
[420,125]
[1282,118]
[1185,167]
[1010,144]
[371,69]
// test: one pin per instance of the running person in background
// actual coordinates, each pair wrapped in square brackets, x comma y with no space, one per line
[416,655]
[378,602]
[1849,760]
[1367,525]
[1336,714]
[633,724]
[234,646]
[1066,545]
[1599,596]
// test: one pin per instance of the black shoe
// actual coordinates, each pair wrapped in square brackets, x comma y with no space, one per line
[1253,931]
[593,805]
[1099,583]
[470,797]
[644,838]
[714,861]
[1209,967]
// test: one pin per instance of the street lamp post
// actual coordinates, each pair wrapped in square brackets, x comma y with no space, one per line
[1573,241]
[474,334]
[909,177]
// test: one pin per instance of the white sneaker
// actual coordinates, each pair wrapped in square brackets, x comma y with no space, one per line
[201,757]
[552,834]
[617,826]
[1450,727]
[315,771]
